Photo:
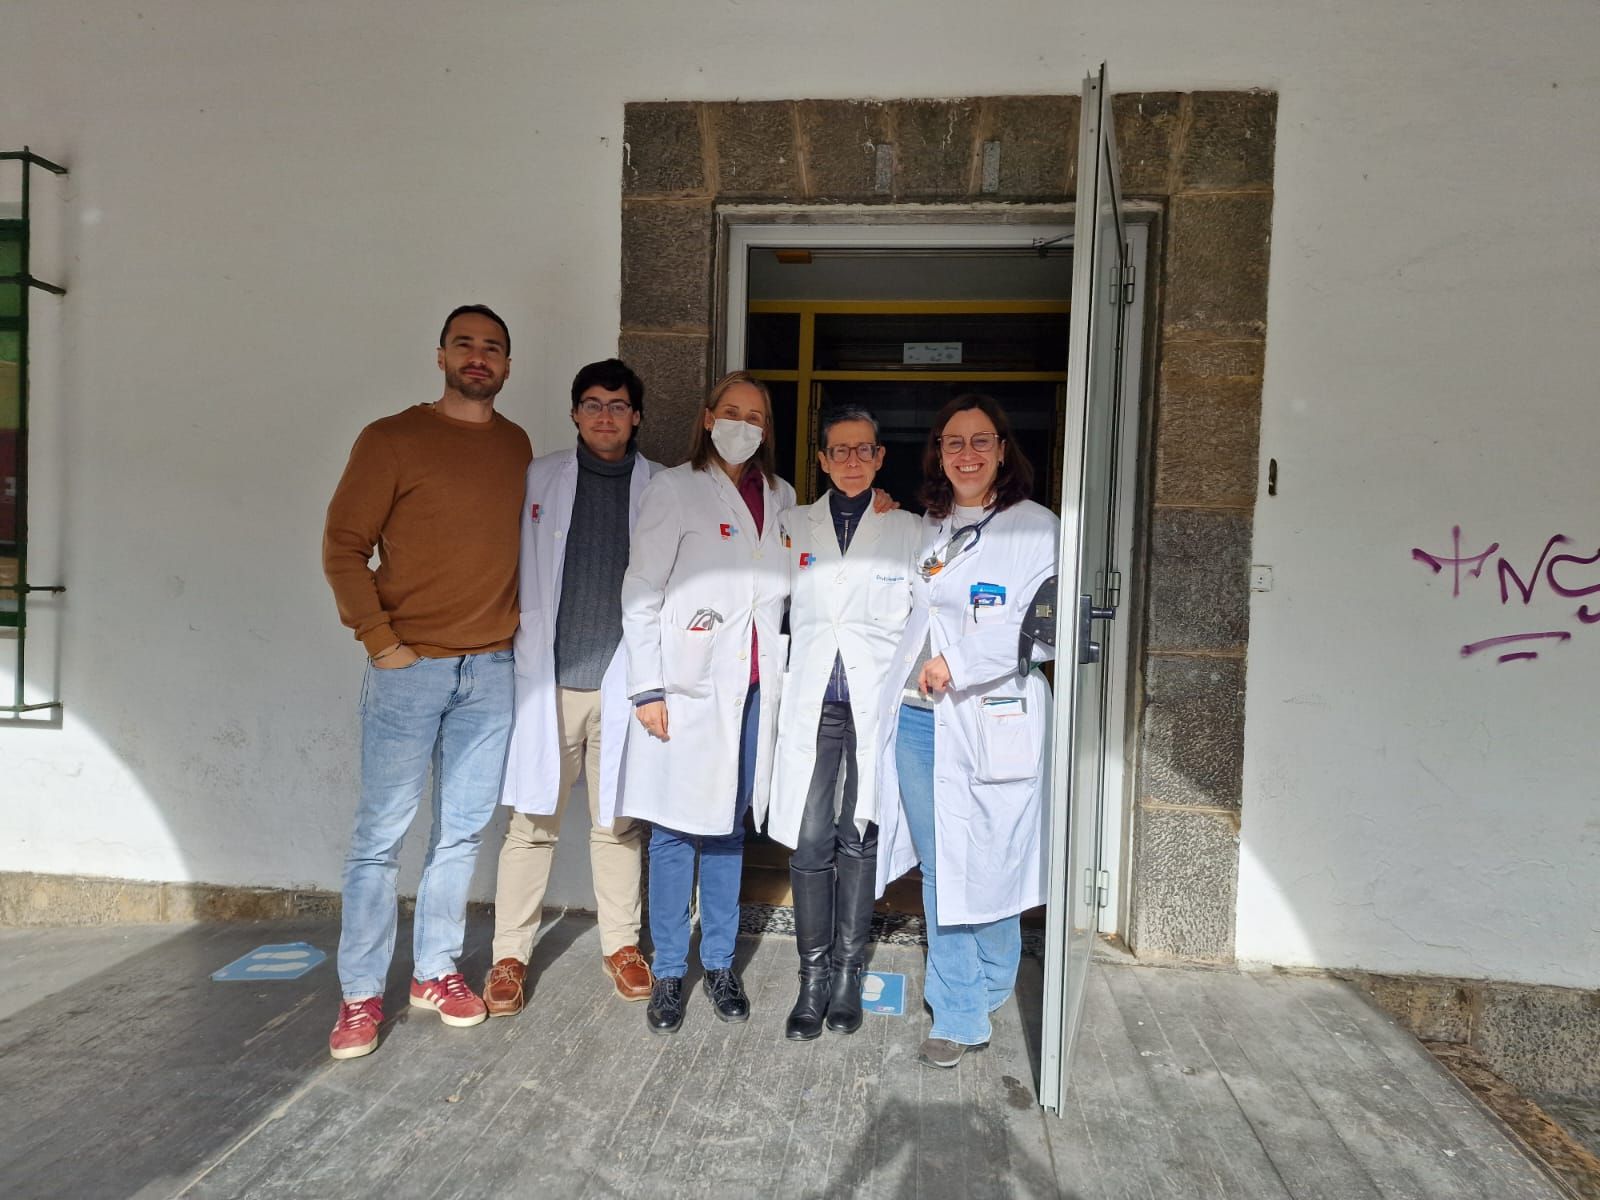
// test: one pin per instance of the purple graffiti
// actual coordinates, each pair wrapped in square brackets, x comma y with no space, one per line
[1570,585]
[1439,562]
[1560,635]
[1570,593]
[1505,570]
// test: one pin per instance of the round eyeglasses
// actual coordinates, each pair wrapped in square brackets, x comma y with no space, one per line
[612,408]
[865,451]
[982,443]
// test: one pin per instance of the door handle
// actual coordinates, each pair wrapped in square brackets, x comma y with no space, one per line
[1088,648]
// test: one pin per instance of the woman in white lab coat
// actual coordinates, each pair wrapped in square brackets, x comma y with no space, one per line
[850,594]
[965,750]
[702,603]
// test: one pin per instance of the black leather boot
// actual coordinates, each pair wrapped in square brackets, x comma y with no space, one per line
[813,938]
[853,909]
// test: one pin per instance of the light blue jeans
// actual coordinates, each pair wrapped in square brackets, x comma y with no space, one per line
[971,968]
[455,715]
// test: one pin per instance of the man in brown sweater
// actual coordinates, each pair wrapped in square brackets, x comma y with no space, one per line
[436,492]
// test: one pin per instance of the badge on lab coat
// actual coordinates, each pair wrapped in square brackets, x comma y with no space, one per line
[727,531]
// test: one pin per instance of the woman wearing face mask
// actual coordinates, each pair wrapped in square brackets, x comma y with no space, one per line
[702,602]
[849,578]
[965,737]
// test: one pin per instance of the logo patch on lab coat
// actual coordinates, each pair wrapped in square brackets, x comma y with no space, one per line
[533,512]
[727,531]
[806,560]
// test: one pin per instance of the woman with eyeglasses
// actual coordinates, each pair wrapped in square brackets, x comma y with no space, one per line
[702,602]
[965,737]
[850,593]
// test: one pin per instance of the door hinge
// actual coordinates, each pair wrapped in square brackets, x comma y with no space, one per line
[1113,589]
[1103,888]
[1127,285]
[1091,889]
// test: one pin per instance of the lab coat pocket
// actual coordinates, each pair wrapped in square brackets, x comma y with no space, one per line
[686,661]
[1008,749]
[889,598]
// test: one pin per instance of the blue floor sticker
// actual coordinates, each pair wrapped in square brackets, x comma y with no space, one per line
[289,960]
[883,992]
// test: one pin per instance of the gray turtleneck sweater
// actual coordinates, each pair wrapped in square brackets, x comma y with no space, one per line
[589,621]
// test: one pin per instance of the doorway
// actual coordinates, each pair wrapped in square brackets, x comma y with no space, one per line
[829,307]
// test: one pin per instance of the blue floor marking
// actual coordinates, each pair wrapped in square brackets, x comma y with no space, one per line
[884,992]
[288,960]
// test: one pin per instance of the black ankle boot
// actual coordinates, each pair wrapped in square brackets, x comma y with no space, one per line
[813,937]
[853,909]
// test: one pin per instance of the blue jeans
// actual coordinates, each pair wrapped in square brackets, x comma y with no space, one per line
[672,857]
[971,968]
[452,713]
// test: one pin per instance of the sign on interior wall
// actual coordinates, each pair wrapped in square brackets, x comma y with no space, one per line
[920,353]
[1557,577]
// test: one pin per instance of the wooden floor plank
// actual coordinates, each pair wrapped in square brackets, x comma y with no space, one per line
[1422,1088]
[1350,1097]
[1306,1151]
[1184,1081]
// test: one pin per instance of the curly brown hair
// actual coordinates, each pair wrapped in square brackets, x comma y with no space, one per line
[1012,482]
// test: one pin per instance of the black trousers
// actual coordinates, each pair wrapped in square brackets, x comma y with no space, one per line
[822,837]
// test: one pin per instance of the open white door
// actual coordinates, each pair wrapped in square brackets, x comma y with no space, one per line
[1089,592]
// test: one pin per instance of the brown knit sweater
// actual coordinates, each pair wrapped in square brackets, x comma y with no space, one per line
[441,501]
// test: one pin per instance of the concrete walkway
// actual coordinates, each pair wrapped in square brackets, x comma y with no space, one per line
[124,1071]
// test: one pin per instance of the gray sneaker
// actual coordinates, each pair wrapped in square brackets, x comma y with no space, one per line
[937,1052]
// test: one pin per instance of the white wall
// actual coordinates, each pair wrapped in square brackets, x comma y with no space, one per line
[272,205]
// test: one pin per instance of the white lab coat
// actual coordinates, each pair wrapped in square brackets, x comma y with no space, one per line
[533,763]
[989,761]
[853,604]
[695,547]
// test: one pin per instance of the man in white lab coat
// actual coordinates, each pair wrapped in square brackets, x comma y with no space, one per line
[572,708]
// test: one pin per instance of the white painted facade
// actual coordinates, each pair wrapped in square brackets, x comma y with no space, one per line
[272,206]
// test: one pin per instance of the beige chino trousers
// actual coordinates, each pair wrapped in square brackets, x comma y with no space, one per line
[615,854]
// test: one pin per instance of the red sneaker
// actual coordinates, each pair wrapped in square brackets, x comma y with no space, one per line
[356,1032]
[451,998]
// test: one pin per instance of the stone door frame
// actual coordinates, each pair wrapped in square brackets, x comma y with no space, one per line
[1202,163]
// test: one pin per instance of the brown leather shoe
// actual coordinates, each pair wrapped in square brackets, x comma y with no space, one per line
[502,992]
[629,972]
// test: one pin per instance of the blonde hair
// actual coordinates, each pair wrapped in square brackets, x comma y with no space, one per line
[701,451]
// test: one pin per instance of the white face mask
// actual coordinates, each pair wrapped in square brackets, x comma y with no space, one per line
[735,441]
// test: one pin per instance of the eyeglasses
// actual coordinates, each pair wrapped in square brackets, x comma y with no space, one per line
[865,451]
[612,408]
[982,443]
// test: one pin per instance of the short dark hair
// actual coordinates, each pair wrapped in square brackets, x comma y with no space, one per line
[701,449]
[482,310]
[612,374]
[838,416]
[1013,481]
